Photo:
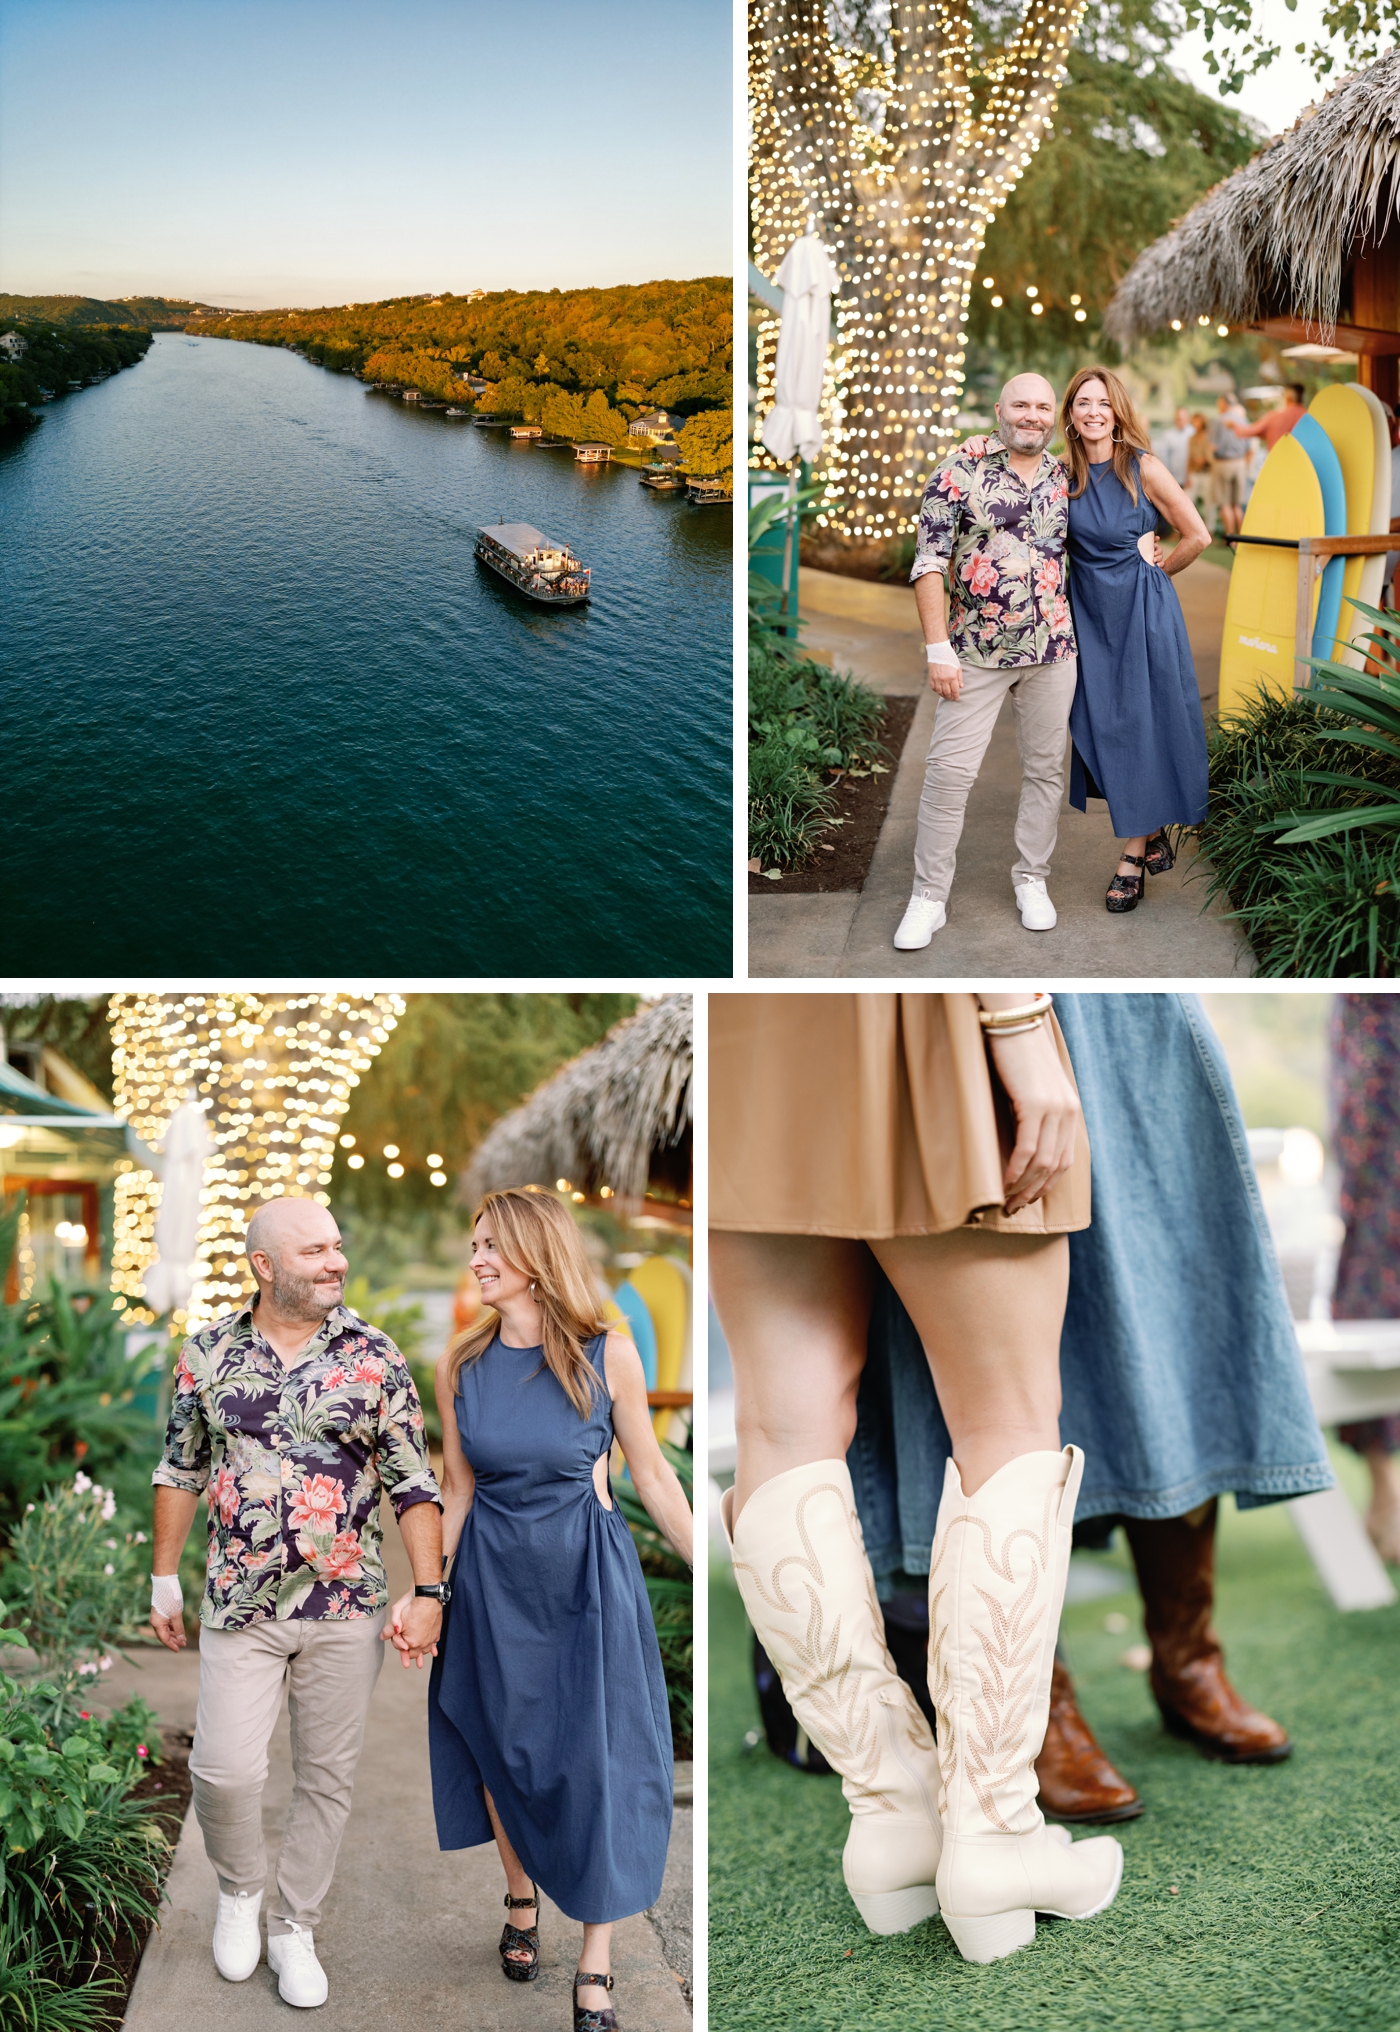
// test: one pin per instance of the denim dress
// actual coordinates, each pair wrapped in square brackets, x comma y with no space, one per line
[1179,1363]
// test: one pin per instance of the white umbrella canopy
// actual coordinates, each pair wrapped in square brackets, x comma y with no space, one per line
[188,1146]
[807,279]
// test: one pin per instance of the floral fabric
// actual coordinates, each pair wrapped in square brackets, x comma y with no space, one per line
[294,1457]
[1000,546]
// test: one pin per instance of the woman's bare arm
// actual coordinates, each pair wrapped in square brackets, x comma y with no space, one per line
[458,1482]
[1172,500]
[653,1477]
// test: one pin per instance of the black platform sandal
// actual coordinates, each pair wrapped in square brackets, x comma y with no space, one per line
[592,2021]
[1125,891]
[521,1939]
[1158,857]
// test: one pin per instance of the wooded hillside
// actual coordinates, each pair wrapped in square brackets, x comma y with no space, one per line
[663,343]
[54,361]
[146,313]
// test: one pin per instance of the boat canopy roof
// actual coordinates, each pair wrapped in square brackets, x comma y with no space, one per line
[521,539]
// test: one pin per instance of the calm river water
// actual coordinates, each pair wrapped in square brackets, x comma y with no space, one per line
[264,713]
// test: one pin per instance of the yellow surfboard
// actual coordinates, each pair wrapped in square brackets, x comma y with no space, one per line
[1355,422]
[1257,646]
[665,1288]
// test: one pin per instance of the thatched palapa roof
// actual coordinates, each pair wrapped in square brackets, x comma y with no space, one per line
[1275,238]
[618,1115]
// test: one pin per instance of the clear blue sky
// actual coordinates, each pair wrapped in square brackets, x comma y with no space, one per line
[267,152]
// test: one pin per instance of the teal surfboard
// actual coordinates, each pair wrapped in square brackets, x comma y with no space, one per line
[1319,447]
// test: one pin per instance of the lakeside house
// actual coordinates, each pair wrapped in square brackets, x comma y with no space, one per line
[593,454]
[656,424]
[13,346]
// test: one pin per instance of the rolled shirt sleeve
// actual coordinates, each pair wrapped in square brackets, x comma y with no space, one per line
[401,1450]
[187,1456]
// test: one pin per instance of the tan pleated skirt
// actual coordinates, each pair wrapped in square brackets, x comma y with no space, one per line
[869,1116]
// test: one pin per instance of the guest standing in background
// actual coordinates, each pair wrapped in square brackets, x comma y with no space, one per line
[1365,1043]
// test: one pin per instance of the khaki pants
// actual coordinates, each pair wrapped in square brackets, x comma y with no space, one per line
[329,1670]
[1041,696]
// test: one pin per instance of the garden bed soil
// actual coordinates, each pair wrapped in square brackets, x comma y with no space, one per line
[168,1788]
[862,802]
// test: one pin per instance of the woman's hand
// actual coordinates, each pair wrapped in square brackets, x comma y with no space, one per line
[1046,1108]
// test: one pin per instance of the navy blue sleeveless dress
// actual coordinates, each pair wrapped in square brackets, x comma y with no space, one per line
[1136,723]
[547,1689]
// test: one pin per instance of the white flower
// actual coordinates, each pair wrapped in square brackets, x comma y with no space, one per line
[109,1568]
[87,1668]
[109,1508]
[81,1483]
[140,1538]
[27,1508]
[109,1544]
[104,1664]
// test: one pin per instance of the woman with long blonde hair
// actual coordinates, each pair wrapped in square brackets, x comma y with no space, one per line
[548,1721]
[1136,722]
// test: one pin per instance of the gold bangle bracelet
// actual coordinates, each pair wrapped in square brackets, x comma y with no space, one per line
[1014,1029]
[1000,1019]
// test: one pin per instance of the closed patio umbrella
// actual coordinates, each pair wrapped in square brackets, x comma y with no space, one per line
[188,1146]
[807,279]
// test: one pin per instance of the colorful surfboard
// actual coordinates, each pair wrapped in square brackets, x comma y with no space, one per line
[665,1286]
[1257,646]
[639,1321]
[1315,442]
[1355,421]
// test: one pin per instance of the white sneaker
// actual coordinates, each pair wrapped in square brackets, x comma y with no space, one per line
[301,1980]
[237,1941]
[920,921]
[1033,902]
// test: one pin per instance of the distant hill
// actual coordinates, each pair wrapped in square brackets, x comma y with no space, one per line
[147,313]
[667,345]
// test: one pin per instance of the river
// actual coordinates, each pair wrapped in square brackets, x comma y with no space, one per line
[264,714]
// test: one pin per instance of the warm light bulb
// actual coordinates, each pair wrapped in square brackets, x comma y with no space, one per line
[1176,324]
[355,1162]
[439,1177]
[347,1142]
[434,1160]
[996,303]
[396,1171]
[1076,299]
[391,1149]
[1079,316]
[1224,331]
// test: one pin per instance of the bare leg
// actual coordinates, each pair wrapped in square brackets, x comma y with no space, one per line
[517,1882]
[1133,846]
[794,1309]
[1383,1511]
[988,1308]
[595,1960]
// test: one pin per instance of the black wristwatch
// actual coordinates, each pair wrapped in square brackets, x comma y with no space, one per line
[441,1592]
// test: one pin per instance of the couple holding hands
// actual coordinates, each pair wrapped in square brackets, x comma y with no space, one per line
[1100,651]
[548,1723]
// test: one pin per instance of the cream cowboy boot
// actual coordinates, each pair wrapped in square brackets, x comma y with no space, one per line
[800,1562]
[996,1586]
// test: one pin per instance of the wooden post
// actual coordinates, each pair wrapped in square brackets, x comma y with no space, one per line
[1302,642]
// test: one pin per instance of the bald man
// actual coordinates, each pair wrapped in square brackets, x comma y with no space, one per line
[293,1417]
[989,579]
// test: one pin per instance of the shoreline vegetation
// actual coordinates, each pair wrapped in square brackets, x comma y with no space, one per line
[583,364]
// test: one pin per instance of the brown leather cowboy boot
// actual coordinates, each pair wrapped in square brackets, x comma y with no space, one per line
[1175,1561]
[1077,1782]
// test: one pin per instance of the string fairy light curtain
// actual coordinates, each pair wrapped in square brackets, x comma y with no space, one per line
[274,1075]
[880,129]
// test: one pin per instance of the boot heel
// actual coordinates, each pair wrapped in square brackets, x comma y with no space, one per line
[993,1938]
[896,1911]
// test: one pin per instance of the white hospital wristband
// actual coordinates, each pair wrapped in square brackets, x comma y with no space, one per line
[166,1598]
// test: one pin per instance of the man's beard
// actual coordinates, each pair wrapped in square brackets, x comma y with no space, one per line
[1009,432]
[303,1297]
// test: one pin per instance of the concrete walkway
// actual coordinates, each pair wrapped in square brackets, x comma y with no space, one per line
[408,1937]
[874,631]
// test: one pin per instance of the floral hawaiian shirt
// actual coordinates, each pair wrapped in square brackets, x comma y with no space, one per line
[294,1457]
[1001,548]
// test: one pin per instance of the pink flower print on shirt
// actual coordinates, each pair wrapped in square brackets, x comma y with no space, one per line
[317,1503]
[979,573]
[223,1494]
[1047,578]
[342,1562]
[948,485]
[184,1375]
[334,1379]
[369,1369]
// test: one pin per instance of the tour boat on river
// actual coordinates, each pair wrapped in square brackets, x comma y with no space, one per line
[535,565]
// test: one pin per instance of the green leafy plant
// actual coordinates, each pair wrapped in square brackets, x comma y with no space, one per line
[1322,908]
[670,1591]
[34,2000]
[78,1582]
[803,719]
[767,620]
[1370,705]
[68,1394]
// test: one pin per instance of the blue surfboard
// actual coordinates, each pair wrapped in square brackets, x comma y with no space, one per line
[1328,467]
[631,1303]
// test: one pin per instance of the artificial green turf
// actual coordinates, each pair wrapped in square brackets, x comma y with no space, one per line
[1287,1908]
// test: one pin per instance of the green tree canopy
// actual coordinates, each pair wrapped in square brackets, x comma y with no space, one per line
[707,442]
[451,1067]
